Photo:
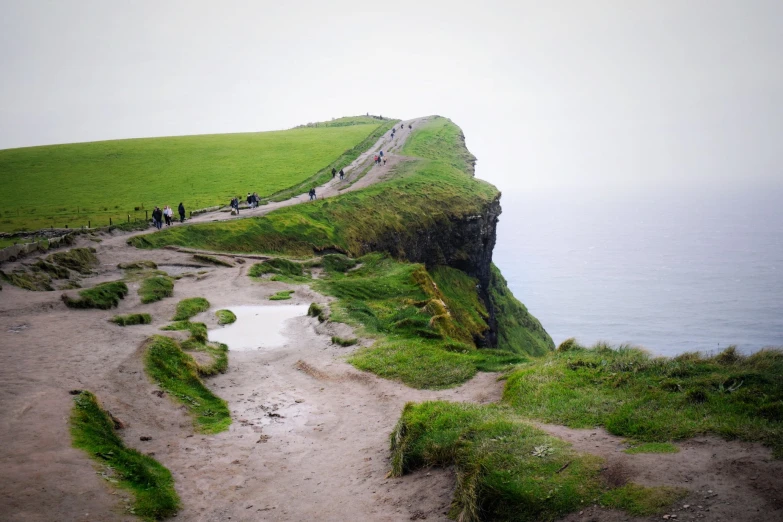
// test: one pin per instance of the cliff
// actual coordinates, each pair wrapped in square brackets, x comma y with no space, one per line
[431,211]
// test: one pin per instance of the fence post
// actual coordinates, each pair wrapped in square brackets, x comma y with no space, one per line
[89,225]
[110,221]
[128,218]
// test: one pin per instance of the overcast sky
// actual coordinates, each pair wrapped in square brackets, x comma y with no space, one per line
[599,94]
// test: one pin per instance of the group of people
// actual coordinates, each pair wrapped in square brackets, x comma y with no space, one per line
[253,199]
[311,193]
[380,158]
[334,172]
[167,215]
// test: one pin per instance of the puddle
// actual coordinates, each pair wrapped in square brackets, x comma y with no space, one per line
[257,327]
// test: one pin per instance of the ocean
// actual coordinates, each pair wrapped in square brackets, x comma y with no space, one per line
[669,270]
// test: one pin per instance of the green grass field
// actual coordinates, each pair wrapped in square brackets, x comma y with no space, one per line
[58,185]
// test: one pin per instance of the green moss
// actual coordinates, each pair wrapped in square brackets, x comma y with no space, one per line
[654,399]
[642,501]
[225,316]
[218,352]
[131,319]
[211,259]
[506,469]
[198,331]
[518,330]
[102,296]
[151,484]
[177,373]
[278,267]
[281,296]
[81,260]
[187,308]
[156,288]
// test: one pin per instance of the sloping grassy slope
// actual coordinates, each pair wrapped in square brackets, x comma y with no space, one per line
[655,399]
[57,185]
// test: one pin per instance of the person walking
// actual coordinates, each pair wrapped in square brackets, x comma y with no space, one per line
[157,217]
[342,174]
[168,214]
[334,171]
[181,210]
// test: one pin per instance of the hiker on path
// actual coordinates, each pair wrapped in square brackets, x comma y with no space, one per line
[381,153]
[312,194]
[157,218]
[384,161]
[249,200]
[334,171]
[342,174]
[167,213]
[181,210]
[235,204]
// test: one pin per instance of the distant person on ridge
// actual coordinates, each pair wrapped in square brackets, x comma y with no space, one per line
[181,210]
[334,171]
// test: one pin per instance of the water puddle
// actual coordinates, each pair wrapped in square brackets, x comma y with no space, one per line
[257,327]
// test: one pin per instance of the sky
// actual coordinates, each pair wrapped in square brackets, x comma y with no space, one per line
[585,95]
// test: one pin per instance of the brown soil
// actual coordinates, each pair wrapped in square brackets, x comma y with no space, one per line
[309,439]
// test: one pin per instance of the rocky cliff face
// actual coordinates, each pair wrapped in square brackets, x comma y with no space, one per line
[464,243]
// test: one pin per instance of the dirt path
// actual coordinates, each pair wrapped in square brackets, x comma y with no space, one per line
[359,174]
[309,439]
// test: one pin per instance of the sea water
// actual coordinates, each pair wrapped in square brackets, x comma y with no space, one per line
[669,271]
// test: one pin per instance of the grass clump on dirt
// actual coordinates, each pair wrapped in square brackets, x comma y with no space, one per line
[156,288]
[652,447]
[103,296]
[138,265]
[54,271]
[178,374]
[649,399]
[80,260]
[211,259]
[187,308]
[281,270]
[216,352]
[131,319]
[225,316]
[152,485]
[506,469]
[642,501]
[281,295]
[316,310]
[35,281]
[197,331]
[343,341]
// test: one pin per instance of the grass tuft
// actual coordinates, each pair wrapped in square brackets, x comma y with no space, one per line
[131,319]
[156,288]
[152,485]
[316,310]
[138,265]
[344,342]
[178,374]
[225,316]
[281,295]
[642,501]
[80,260]
[102,296]
[211,259]
[187,308]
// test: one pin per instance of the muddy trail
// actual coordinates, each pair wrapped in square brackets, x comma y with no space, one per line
[309,438]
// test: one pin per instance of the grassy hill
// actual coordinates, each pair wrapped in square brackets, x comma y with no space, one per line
[60,185]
